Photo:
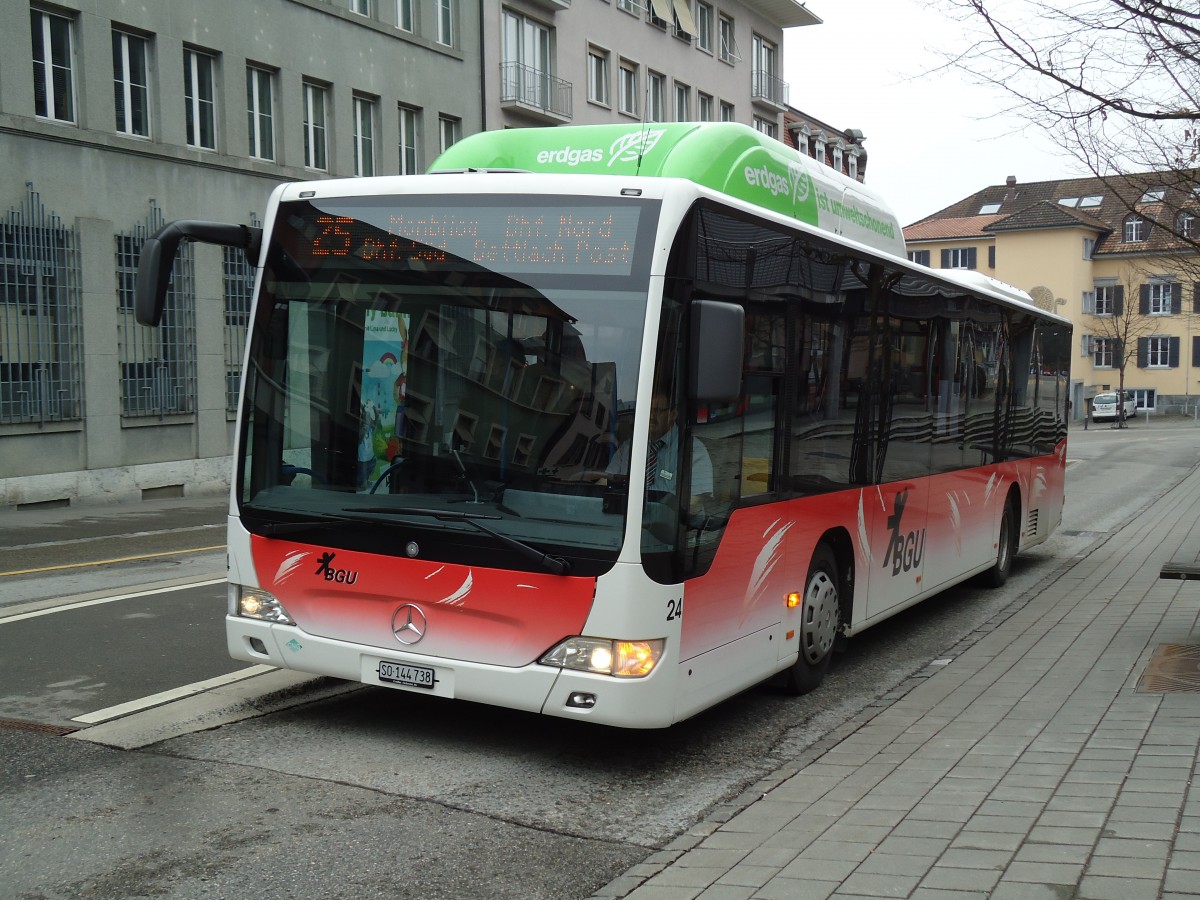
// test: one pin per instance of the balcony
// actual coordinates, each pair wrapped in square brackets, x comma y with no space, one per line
[535,93]
[552,6]
[766,89]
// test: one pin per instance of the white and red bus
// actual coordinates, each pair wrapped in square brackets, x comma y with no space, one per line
[450,377]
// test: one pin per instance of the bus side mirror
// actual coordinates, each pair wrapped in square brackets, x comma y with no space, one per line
[158,257]
[717,342]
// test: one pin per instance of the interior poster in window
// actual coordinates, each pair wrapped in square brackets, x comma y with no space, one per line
[384,390]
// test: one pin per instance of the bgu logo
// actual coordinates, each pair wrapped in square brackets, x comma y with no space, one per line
[904,551]
[329,573]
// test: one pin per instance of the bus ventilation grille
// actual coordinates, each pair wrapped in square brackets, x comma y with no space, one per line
[1031,523]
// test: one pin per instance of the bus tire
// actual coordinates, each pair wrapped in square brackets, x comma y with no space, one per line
[1006,546]
[820,617]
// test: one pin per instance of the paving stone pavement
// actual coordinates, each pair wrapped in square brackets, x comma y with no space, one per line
[1040,760]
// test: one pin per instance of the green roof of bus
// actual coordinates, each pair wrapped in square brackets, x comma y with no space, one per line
[731,158]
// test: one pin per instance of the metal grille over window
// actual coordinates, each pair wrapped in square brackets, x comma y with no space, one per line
[158,365]
[41,346]
[239,289]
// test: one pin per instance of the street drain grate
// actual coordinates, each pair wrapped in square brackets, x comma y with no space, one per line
[1173,667]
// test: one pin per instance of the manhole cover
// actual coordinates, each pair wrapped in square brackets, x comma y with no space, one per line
[1173,667]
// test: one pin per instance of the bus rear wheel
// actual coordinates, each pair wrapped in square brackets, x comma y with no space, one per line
[1006,546]
[820,617]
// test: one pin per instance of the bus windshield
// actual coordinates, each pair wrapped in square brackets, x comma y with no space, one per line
[462,367]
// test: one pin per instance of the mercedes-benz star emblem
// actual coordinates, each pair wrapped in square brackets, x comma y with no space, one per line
[408,624]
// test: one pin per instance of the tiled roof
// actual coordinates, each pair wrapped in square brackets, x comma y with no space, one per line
[1099,203]
[962,227]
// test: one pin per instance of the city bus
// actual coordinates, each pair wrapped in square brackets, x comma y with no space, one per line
[615,422]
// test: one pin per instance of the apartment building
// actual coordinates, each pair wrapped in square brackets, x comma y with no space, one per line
[118,117]
[587,62]
[1105,253]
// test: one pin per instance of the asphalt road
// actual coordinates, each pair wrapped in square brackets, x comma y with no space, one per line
[371,792]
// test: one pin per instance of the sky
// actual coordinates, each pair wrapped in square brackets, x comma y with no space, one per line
[932,137]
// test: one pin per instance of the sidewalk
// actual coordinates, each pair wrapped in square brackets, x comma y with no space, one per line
[1054,756]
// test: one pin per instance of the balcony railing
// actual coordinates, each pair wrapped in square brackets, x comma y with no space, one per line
[765,86]
[536,90]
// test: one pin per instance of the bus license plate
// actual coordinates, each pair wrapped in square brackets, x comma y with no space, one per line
[406,675]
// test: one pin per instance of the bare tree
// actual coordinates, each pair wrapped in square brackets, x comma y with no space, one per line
[1117,82]
[1117,325]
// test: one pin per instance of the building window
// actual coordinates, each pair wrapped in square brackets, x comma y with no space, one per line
[1089,247]
[1107,299]
[728,46]
[819,150]
[852,165]
[238,289]
[920,257]
[527,61]
[765,75]
[260,112]
[41,341]
[199,94]
[633,7]
[727,111]
[445,22]
[362,7]
[364,136]
[410,121]
[683,103]
[1135,229]
[1158,298]
[1145,398]
[315,98]
[1186,224]
[1102,352]
[704,107]
[704,26]
[837,157]
[958,258]
[598,75]
[629,88]
[766,126]
[1158,352]
[450,129]
[405,17]
[654,97]
[53,63]
[131,86]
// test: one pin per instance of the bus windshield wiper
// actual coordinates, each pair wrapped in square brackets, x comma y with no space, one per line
[273,529]
[555,564]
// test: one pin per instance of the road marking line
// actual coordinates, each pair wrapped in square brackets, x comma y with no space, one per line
[163,697]
[105,562]
[4,620]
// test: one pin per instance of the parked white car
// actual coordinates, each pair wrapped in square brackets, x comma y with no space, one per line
[1104,406]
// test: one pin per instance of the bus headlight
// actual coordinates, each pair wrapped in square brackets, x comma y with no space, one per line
[258,604]
[620,659]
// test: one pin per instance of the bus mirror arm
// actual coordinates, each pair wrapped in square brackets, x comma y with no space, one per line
[158,257]
[717,335]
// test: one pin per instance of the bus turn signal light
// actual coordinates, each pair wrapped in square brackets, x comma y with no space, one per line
[794,599]
[602,656]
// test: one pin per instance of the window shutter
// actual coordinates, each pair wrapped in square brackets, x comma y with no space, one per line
[1176,298]
[1089,302]
[971,258]
[992,256]
[1119,301]
[1173,352]
[1196,297]
[1195,351]
[1144,299]
[945,259]
[1142,352]
[1085,344]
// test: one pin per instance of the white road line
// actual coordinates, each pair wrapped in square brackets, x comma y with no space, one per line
[97,601]
[188,690]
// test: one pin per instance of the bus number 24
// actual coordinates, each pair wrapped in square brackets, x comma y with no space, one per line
[674,609]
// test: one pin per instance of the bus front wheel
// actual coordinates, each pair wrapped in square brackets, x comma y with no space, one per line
[820,617]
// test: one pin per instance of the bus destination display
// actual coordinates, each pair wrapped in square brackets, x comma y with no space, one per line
[531,239]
